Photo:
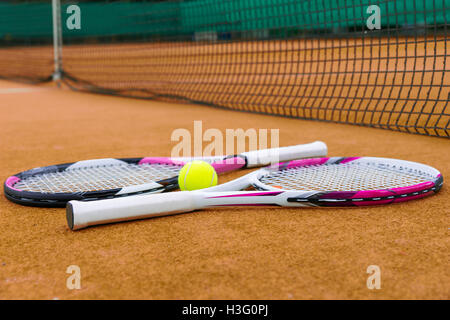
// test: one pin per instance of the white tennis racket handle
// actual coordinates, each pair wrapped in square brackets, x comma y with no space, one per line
[259,158]
[81,214]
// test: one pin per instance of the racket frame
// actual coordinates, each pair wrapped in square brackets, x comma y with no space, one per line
[220,163]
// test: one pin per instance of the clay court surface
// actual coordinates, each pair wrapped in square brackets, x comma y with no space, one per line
[230,253]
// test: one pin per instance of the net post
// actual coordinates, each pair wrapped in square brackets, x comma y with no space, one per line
[57,41]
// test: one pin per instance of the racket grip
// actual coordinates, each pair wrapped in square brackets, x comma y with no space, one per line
[82,214]
[259,158]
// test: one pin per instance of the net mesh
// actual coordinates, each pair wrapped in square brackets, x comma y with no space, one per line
[97,178]
[377,63]
[26,51]
[345,177]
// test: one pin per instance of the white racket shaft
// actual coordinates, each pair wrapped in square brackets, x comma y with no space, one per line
[82,214]
[260,158]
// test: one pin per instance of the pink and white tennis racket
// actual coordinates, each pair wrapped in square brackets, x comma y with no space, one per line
[317,182]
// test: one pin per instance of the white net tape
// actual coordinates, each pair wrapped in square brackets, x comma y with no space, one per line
[345,177]
[98,178]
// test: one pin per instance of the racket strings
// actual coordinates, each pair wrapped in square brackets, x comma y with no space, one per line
[345,177]
[97,178]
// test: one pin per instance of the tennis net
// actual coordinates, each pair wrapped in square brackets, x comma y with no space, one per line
[374,63]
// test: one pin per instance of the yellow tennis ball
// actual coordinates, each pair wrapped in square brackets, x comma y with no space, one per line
[197,175]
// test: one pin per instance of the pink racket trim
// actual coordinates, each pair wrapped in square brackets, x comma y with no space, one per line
[257,194]
[161,160]
[414,188]
[410,193]
[220,166]
[350,159]
[247,205]
[378,193]
[11,181]
[300,163]
[229,164]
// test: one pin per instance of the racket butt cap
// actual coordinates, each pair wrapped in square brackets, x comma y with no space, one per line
[69,215]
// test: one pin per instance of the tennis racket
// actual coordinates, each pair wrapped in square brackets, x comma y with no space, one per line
[317,182]
[97,179]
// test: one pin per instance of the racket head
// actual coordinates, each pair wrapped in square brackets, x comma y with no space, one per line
[53,186]
[349,181]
